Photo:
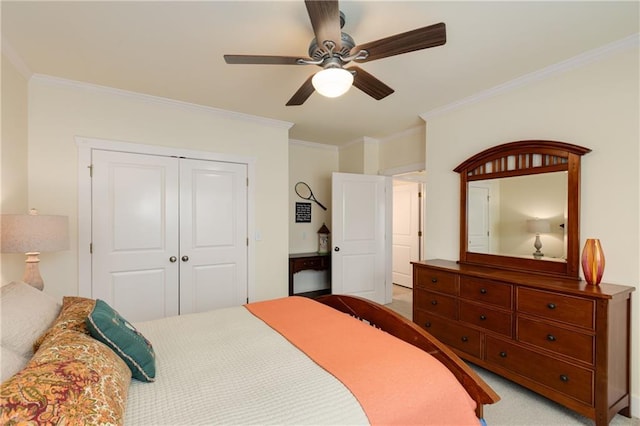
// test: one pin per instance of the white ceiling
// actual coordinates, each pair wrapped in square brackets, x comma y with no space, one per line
[175,50]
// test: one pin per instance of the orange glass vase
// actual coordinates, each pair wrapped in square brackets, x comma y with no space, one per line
[592,261]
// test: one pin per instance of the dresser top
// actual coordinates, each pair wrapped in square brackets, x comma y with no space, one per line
[540,281]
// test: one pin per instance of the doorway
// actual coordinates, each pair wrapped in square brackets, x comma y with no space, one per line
[407,225]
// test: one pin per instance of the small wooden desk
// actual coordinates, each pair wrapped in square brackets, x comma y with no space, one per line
[308,261]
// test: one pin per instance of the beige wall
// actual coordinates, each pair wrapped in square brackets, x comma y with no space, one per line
[59,111]
[595,105]
[403,149]
[313,164]
[351,159]
[13,159]
[542,196]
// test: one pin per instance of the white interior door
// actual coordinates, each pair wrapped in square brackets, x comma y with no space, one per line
[135,233]
[169,235]
[213,235]
[360,245]
[406,227]
[478,226]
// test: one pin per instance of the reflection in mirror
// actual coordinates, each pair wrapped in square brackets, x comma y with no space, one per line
[506,215]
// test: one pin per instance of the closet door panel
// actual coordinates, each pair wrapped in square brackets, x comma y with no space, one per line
[135,233]
[213,235]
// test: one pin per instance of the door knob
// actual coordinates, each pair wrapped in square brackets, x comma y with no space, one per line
[185,258]
[172,259]
[336,249]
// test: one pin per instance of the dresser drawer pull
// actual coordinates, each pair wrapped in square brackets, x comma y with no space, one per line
[503,354]
[564,378]
[427,324]
[483,317]
[434,280]
[483,291]
[551,337]
[434,302]
[551,305]
[464,339]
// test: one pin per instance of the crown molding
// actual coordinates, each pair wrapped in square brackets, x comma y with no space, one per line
[57,81]
[411,131]
[630,42]
[365,140]
[315,145]
[12,56]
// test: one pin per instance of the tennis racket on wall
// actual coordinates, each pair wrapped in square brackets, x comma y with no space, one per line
[304,191]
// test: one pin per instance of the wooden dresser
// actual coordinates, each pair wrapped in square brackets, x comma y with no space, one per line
[562,338]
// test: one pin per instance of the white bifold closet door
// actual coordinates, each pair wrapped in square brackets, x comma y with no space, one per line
[169,235]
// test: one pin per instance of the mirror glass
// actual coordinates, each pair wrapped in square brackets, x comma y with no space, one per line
[506,216]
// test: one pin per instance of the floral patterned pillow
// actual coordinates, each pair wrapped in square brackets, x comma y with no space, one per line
[73,315]
[72,379]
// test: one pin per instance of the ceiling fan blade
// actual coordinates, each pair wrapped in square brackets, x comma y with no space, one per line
[369,84]
[303,93]
[325,20]
[262,59]
[421,38]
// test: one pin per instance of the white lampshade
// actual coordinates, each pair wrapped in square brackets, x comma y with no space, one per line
[32,234]
[23,233]
[332,82]
[538,226]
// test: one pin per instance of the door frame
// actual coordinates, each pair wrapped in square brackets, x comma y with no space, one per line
[411,169]
[85,147]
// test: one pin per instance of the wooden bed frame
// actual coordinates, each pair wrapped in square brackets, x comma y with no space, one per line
[385,319]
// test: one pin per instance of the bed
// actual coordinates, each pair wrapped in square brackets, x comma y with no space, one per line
[294,360]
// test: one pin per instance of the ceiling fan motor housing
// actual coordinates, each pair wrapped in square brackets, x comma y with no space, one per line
[318,52]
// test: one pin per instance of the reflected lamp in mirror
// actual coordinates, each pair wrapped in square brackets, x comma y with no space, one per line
[538,226]
[32,234]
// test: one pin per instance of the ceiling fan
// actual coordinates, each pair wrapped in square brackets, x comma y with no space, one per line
[332,49]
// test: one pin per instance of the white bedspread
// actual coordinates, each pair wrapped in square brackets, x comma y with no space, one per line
[229,367]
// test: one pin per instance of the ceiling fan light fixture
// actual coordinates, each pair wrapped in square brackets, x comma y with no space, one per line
[332,82]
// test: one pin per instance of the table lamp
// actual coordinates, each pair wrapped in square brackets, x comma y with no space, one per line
[538,226]
[32,234]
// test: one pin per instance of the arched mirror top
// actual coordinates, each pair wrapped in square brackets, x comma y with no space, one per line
[512,195]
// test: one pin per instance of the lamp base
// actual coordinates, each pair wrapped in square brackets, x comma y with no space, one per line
[32,272]
[538,245]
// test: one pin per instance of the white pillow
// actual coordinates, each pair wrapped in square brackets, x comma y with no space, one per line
[25,314]
[11,363]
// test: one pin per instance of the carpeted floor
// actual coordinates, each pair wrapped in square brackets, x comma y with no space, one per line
[518,406]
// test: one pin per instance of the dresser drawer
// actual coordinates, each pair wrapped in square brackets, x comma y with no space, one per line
[571,380]
[568,309]
[439,304]
[486,291]
[485,317]
[567,342]
[450,333]
[436,280]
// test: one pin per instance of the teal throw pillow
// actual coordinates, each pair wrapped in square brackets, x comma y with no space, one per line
[107,326]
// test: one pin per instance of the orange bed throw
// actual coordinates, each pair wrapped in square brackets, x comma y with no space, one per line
[395,382]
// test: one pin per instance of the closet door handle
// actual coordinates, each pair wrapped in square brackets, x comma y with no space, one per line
[185,258]
[173,259]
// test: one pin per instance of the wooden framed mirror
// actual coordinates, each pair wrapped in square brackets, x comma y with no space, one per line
[520,207]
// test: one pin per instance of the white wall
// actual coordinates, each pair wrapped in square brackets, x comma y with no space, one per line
[13,160]
[60,110]
[595,105]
